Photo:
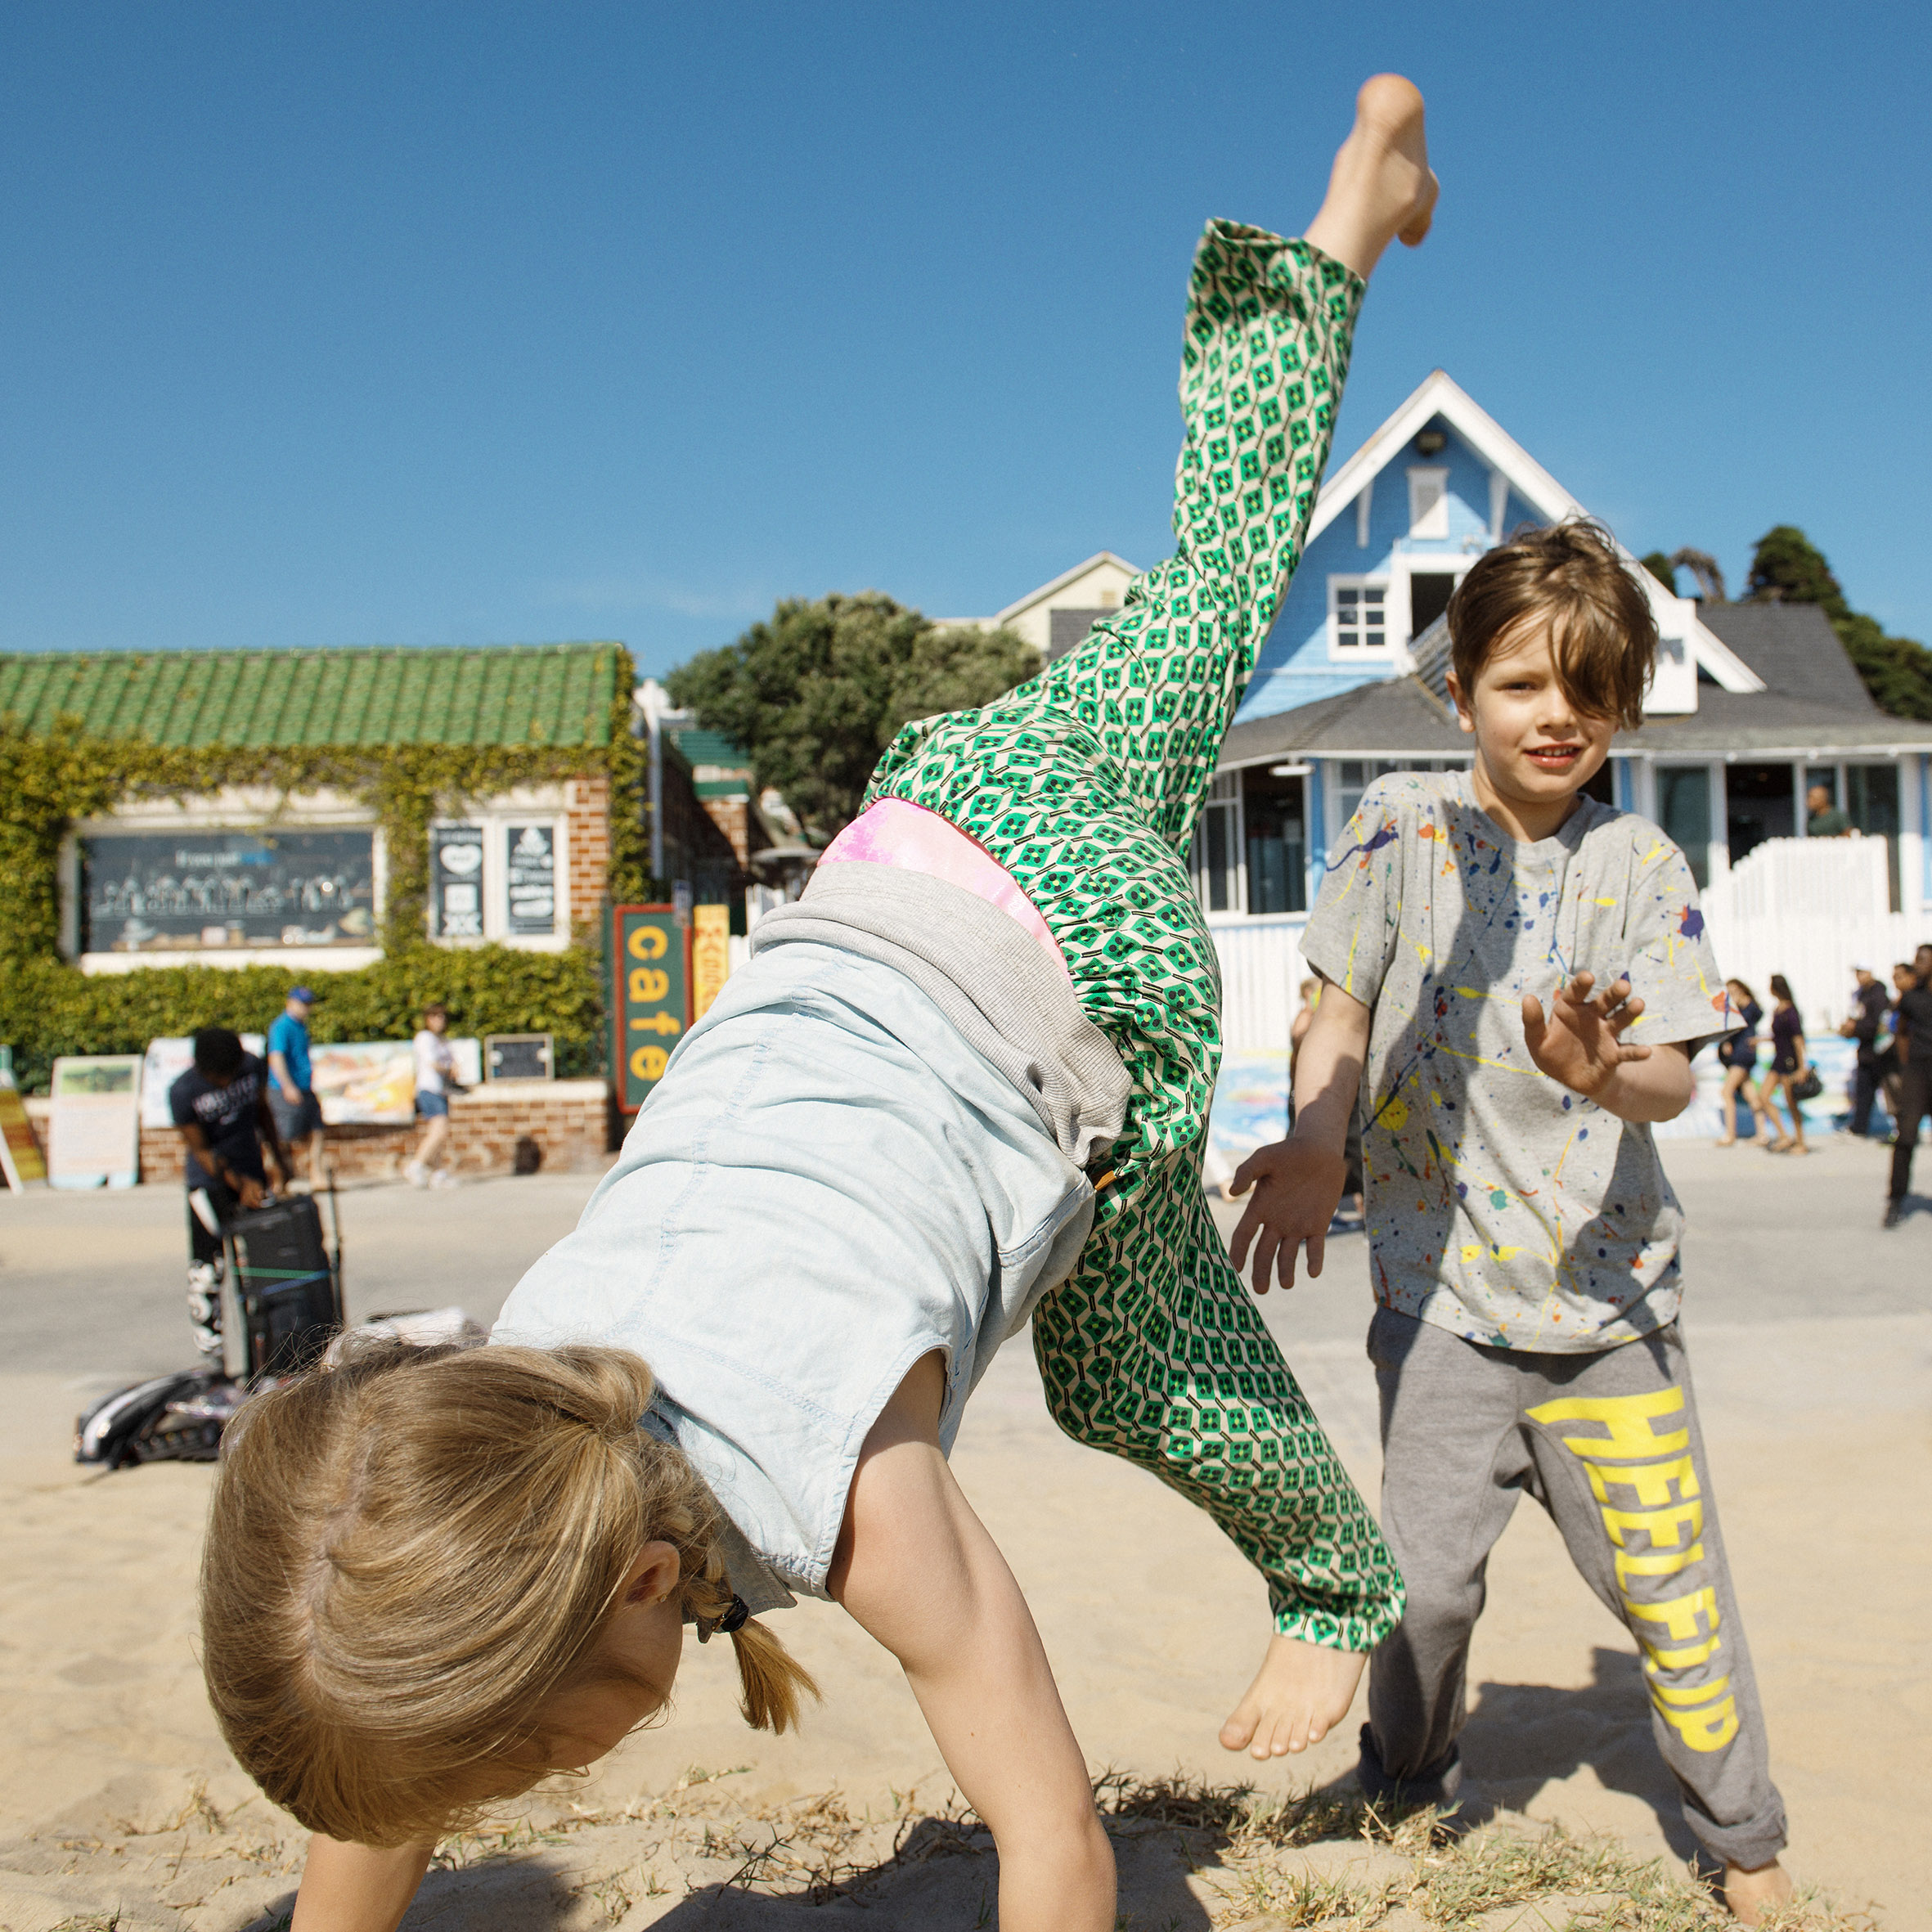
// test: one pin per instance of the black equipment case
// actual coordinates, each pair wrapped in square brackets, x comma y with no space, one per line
[287,1284]
[287,1288]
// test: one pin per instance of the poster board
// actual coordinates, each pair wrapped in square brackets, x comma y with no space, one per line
[456,881]
[650,1006]
[19,1151]
[166,1061]
[711,956]
[530,879]
[372,1083]
[94,1125]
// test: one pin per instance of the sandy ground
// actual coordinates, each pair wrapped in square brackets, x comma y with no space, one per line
[1812,1336]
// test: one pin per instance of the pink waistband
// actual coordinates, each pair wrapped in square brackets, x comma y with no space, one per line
[892,831]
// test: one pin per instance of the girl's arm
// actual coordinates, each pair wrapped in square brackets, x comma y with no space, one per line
[358,1888]
[916,1568]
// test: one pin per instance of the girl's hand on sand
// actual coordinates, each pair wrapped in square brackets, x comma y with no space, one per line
[1297,1187]
[1581,1043]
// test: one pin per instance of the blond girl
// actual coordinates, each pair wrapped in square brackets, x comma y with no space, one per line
[962,1087]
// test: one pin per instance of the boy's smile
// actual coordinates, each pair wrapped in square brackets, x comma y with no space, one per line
[1535,749]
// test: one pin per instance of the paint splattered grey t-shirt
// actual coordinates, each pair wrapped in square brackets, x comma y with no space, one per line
[1502,1206]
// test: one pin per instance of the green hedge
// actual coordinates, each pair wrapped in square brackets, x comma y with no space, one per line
[48,1008]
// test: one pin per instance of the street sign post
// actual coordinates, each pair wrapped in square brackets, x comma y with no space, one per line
[651,1006]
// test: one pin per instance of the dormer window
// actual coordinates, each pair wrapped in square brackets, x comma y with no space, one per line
[1428,502]
[1358,617]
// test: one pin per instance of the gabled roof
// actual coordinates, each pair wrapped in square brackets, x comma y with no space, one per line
[1438,395]
[541,694]
[1389,716]
[1047,591]
[1793,648]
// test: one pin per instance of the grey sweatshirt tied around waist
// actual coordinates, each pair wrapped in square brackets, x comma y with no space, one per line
[986,974]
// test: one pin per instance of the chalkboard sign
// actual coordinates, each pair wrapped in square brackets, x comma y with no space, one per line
[167,892]
[518,1056]
[456,881]
[530,878]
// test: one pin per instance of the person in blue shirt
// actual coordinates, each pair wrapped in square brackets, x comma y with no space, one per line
[291,1088]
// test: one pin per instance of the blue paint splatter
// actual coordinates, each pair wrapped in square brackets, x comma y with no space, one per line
[1691,924]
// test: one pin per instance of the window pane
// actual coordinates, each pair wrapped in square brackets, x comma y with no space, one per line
[1683,805]
[1871,798]
[152,891]
[1216,826]
[1276,845]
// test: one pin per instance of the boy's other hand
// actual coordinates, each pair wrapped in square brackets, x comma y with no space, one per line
[1297,1187]
[1581,1043]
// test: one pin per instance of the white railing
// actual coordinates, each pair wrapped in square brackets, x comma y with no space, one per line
[1811,909]
[1260,969]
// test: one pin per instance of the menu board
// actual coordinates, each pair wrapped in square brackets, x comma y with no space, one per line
[530,878]
[456,881]
[193,891]
[19,1151]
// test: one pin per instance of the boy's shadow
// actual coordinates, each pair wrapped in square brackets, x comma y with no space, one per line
[1520,1738]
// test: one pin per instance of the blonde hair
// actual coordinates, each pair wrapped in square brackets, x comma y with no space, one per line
[410,1550]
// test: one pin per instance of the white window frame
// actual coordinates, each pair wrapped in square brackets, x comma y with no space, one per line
[1428,514]
[1223,795]
[1361,653]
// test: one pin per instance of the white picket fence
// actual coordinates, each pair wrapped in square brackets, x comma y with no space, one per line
[1811,909]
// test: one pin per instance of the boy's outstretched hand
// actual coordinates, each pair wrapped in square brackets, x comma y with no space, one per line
[1297,1187]
[1581,1043]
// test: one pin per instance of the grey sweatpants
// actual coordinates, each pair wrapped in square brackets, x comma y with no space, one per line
[1609,1444]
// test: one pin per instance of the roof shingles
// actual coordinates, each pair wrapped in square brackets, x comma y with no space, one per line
[544,693]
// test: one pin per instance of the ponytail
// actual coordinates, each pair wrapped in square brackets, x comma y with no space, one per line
[771,1678]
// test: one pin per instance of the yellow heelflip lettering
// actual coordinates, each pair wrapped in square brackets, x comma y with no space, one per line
[1627,1417]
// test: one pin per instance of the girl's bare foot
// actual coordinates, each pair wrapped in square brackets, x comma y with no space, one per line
[1381,186]
[1299,1694]
[1751,1895]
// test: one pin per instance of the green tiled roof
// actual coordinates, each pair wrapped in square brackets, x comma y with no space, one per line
[709,748]
[524,694]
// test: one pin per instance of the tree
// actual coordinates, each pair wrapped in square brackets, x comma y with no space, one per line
[1788,568]
[1661,568]
[814,695]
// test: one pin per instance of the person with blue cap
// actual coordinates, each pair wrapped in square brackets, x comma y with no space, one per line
[291,1088]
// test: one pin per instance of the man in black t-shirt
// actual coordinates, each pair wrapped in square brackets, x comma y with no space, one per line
[1867,1016]
[220,1106]
[1911,1021]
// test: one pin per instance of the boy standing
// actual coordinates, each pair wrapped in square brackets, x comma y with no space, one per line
[1523,1238]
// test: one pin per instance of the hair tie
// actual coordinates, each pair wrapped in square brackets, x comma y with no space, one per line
[730,1623]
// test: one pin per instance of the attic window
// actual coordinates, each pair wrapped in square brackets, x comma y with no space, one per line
[1358,617]
[1428,503]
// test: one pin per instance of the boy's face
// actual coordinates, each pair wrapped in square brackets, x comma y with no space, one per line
[1538,748]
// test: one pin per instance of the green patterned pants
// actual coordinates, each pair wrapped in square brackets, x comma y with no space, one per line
[1086,784]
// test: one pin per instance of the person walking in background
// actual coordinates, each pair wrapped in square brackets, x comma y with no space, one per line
[1912,1017]
[1738,1054]
[435,1081]
[1891,1062]
[1863,1024]
[291,1086]
[221,1106]
[1788,1063]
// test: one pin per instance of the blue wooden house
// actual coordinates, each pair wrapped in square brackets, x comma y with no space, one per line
[1751,706]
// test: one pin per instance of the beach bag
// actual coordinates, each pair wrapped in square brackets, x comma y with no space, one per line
[171,1418]
[1809,1084]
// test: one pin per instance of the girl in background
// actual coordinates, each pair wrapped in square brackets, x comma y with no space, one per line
[1788,1062]
[1739,1054]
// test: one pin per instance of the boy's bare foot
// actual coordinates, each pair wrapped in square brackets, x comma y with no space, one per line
[1299,1694]
[1381,186]
[1751,1895]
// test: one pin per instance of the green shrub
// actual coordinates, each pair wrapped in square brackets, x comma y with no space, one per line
[48,1008]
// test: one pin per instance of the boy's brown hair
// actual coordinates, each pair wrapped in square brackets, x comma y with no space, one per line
[411,1551]
[1601,625]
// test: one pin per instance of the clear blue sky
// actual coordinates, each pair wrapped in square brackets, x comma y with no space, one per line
[332,323]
